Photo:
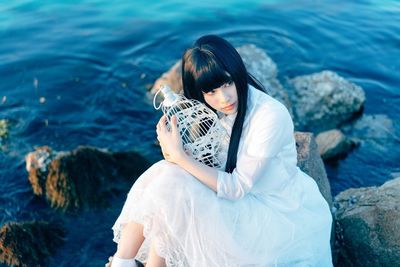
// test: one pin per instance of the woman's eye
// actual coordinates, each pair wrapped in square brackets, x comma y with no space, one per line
[228,83]
[210,92]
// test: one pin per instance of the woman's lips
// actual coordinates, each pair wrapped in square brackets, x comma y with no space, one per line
[230,107]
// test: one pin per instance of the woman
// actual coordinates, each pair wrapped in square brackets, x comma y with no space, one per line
[260,210]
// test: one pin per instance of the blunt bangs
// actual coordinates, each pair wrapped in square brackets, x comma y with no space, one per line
[206,71]
[210,77]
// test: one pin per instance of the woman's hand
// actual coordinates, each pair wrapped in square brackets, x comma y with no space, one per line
[170,141]
[172,149]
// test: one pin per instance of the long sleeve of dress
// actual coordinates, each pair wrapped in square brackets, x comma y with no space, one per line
[270,129]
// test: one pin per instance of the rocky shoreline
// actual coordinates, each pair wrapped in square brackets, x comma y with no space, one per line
[366,228]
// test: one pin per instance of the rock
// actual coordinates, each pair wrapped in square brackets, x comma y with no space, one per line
[264,69]
[378,136]
[368,221]
[333,144]
[324,101]
[5,134]
[394,175]
[84,177]
[29,243]
[37,163]
[372,126]
[4,126]
[172,78]
[257,63]
[309,161]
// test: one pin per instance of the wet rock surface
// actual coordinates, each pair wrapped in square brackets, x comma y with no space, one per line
[84,177]
[324,101]
[309,161]
[29,243]
[368,225]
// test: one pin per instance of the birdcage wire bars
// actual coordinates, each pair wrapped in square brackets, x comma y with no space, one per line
[199,128]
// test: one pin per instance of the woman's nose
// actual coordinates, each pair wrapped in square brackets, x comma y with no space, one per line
[224,97]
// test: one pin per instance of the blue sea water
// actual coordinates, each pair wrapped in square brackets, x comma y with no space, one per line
[75,72]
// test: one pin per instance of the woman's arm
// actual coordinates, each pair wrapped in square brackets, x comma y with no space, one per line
[205,174]
[270,131]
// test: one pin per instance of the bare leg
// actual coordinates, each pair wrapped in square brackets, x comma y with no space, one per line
[154,260]
[131,240]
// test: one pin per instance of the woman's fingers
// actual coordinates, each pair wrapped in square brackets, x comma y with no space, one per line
[163,122]
[174,125]
[160,127]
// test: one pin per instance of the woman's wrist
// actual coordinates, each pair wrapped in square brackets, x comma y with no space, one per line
[181,157]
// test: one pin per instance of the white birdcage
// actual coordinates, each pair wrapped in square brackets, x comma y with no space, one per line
[199,126]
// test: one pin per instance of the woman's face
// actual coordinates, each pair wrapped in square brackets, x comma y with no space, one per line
[223,98]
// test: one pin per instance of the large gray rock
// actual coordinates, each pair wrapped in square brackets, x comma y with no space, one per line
[368,225]
[257,63]
[309,161]
[263,68]
[324,101]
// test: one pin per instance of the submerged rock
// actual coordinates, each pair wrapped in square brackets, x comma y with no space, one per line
[324,101]
[378,127]
[368,225]
[3,128]
[4,125]
[84,177]
[29,243]
[394,175]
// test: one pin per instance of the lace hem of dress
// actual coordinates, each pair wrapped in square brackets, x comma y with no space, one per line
[165,246]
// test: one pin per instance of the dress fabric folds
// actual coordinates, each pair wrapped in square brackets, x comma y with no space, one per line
[267,212]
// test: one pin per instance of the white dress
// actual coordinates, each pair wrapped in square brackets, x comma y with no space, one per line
[267,212]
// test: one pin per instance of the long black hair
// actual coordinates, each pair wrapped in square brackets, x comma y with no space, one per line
[208,64]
